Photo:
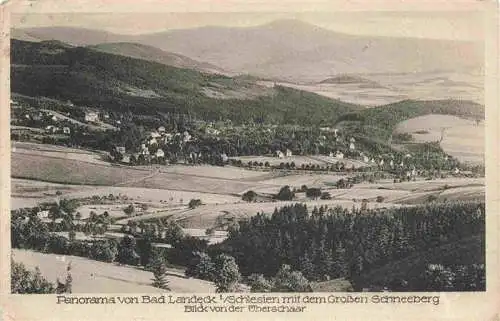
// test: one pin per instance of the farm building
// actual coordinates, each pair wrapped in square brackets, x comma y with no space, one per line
[186,136]
[160,153]
[339,154]
[288,153]
[51,129]
[120,149]
[43,214]
[279,154]
[91,116]
[168,137]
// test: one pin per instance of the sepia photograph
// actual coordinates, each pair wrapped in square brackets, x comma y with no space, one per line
[247,152]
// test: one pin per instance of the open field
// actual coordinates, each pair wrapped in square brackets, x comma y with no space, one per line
[424,185]
[150,195]
[216,172]
[206,216]
[462,138]
[69,171]
[91,276]
[380,89]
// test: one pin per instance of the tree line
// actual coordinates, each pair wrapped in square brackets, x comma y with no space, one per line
[340,243]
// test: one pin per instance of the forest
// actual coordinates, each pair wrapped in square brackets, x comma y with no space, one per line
[338,243]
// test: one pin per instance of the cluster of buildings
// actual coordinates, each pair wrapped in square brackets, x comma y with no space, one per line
[151,148]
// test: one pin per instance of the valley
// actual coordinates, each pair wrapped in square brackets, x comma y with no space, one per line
[136,163]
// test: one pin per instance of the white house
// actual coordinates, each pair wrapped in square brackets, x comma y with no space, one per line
[161,129]
[352,140]
[53,118]
[51,129]
[145,151]
[224,157]
[155,135]
[279,154]
[288,153]
[187,136]
[168,137]
[381,163]
[456,170]
[120,149]
[160,153]
[43,214]
[331,154]
[351,146]
[408,155]
[339,154]
[153,141]
[366,159]
[91,116]
[401,164]
[391,163]
[372,161]
[66,130]
[336,132]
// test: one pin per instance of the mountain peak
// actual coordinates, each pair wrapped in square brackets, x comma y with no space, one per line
[291,24]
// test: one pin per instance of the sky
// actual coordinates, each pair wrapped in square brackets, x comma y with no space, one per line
[439,19]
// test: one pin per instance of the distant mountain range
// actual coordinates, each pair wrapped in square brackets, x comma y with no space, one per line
[286,49]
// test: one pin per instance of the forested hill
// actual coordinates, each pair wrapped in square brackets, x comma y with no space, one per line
[381,121]
[113,82]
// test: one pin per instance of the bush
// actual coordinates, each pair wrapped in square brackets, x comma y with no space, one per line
[129,210]
[326,196]
[249,196]
[201,267]
[313,193]
[285,194]
[194,203]
[431,198]
[24,281]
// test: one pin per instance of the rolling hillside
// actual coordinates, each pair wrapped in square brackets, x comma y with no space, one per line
[149,53]
[94,78]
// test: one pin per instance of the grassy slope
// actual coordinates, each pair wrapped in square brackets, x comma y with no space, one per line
[149,53]
[94,78]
